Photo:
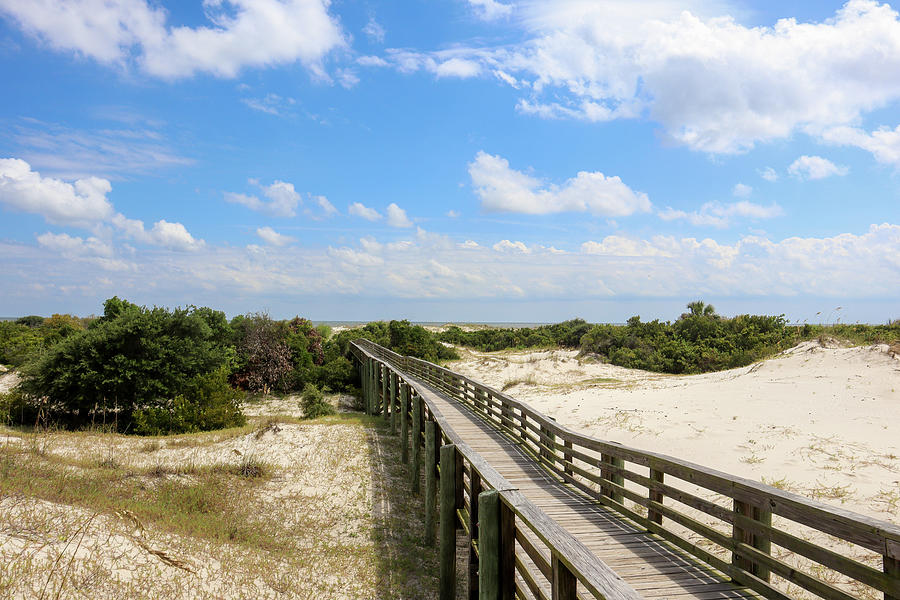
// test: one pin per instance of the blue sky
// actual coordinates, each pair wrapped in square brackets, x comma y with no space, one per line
[475,160]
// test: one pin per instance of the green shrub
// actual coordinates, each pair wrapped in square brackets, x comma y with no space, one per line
[132,358]
[208,403]
[313,403]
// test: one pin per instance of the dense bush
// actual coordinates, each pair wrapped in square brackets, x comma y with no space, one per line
[566,334]
[313,403]
[25,338]
[133,358]
[698,341]
[401,337]
[208,402]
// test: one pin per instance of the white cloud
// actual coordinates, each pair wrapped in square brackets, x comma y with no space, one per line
[713,84]
[358,209]
[174,236]
[854,265]
[716,214]
[242,34]
[815,167]
[491,9]
[327,207]
[769,174]
[741,190]
[374,30]
[508,246]
[273,238]
[457,67]
[396,216]
[453,214]
[283,199]
[884,143]
[271,104]
[503,189]
[74,245]
[81,203]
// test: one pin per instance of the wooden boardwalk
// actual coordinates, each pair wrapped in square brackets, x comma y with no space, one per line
[570,516]
[653,567]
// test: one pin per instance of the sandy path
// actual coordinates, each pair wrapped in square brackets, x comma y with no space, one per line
[818,421]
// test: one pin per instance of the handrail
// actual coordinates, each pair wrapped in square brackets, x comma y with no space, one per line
[596,577]
[587,462]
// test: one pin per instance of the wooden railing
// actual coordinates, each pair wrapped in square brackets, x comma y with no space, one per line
[731,528]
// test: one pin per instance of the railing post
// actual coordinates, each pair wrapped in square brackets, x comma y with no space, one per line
[611,476]
[891,567]
[393,385]
[416,467]
[448,523]
[523,419]
[385,379]
[546,452]
[507,552]
[404,423]
[489,545]
[564,585]
[656,496]
[459,499]
[474,502]
[430,480]
[743,536]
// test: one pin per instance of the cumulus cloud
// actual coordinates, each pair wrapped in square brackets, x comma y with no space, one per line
[173,236]
[75,245]
[81,203]
[491,9]
[815,167]
[741,190]
[273,238]
[283,199]
[508,246]
[503,189]
[713,84]
[396,216]
[457,67]
[883,143]
[241,34]
[769,174]
[716,214]
[357,209]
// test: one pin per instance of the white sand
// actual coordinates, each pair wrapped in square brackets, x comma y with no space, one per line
[822,422]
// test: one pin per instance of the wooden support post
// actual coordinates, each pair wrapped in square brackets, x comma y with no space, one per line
[507,552]
[474,501]
[612,476]
[564,583]
[416,466]
[489,545]
[447,554]
[506,414]
[891,568]
[459,500]
[404,423]
[393,403]
[430,480]
[568,458]
[656,496]
[373,387]
[524,420]
[743,536]
[385,394]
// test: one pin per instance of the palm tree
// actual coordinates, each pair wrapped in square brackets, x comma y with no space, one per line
[699,308]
